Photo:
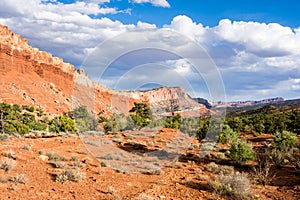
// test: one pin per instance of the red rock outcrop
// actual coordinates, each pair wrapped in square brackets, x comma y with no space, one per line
[32,77]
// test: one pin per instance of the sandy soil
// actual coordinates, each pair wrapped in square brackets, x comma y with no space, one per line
[183,179]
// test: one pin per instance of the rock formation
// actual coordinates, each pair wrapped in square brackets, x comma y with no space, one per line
[33,77]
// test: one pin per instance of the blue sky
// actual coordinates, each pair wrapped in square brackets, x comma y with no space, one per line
[253,44]
[209,13]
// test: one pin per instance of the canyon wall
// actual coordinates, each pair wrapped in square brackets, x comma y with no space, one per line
[29,76]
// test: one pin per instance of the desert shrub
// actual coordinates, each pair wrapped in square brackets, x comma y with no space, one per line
[217,169]
[77,163]
[7,164]
[4,137]
[70,175]
[241,151]
[38,126]
[140,114]
[263,173]
[173,122]
[9,154]
[62,124]
[228,135]
[58,164]
[212,167]
[14,126]
[19,178]
[297,165]
[114,123]
[9,128]
[28,108]
[285,140]
[189,125]
[27,118]
[236,123]
[235,185]
[3,180]
[39,112]
[279,157]
[84,120]
[202,129]
[53,156]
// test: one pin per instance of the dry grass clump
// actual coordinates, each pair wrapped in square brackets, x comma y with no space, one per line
[235,185]
[19,178]
[9,154]
[70,175]
[58,164]
[263,174]
[7,164]
[217,169]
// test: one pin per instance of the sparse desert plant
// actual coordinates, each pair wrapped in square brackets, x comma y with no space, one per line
[217,169]
[280,158]
[213,167]
[235,185]
[77,163]
[74,158]
[263,173]
[27,148]
[62,124]
[9,154]
[19,178]
[3,137]
[103,164]
[93,143]
[58,164]
[41,152]
[7,164]
[3,180]
[228,135]
[70,175]
[153,170]
[53,156]
[241,151]
[297,165]
[285,140]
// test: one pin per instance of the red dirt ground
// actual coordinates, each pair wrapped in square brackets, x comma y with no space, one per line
[184,179]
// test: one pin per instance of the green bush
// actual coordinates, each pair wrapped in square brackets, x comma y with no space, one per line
[114,123]
[14,126]
[241,151]
[140,114]
[84,120]
[173,122]
[62,124]
[228,135]
[285,140]
[9,128]
[38,126]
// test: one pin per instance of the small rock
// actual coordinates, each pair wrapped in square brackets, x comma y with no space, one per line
[43,158]
[162,197]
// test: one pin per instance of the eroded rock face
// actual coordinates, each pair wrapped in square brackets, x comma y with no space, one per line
[32,77]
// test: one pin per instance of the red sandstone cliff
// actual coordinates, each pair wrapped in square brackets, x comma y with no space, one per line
[32,77]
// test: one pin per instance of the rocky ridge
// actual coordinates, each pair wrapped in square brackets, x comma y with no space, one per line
[33,77]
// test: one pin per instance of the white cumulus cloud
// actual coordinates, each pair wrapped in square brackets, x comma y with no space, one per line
[158,3]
